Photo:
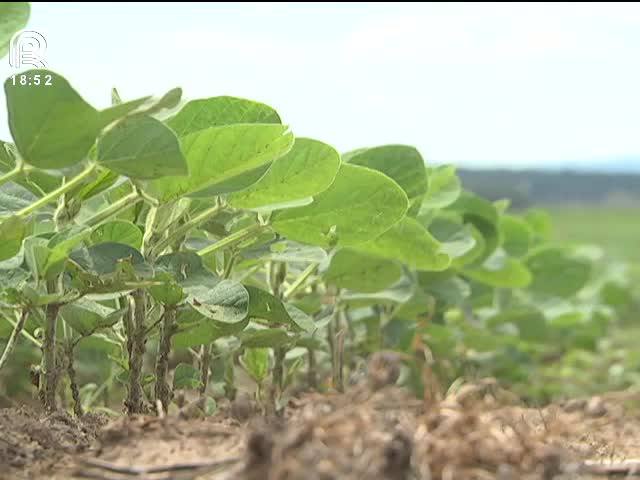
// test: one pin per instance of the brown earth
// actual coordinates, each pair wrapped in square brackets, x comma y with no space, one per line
[362,434]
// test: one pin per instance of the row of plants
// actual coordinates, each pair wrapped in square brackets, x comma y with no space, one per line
[190,246]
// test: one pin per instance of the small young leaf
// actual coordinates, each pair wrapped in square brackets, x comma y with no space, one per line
[500,271]
[12,231]
[444,187]
[256,362]
[267,307]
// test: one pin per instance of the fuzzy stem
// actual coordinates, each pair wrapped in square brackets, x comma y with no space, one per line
[299,282]
[124,203]
[205,360]
[9,176]
[17,330]
[136,343]
[183,229]
[73,384]
[49,366]
[312,374]
[232,239]
[61,190]
[162,388]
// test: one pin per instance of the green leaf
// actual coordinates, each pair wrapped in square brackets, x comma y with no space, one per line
[219,153]
[483,215]
[60,245]
[450,290]
[118,231]
[142,147]
[456,240]
[104,258]
[360,272]
[12,231]
[226,302]
[120,110]
[540,223]
[234,184]
[402,163]
[268,338]
[410,243]
[500,271]
[14,198]
[256,362]
[308,169]
[52,126]
[195,329]
[169,293]
[204,113]
[34,180]
[516,235]
[186,377]
[13,18]
[531,323]
[444,187]
[359,205]
[265,306]
[557,271]
[86,316]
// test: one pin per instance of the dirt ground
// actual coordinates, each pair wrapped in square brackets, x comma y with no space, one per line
[362,434]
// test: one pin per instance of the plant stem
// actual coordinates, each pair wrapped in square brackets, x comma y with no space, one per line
[135,398]
[49,367]
[9,176]
[17,330]
[205,360]
[73,384]
[124,203]
[232,239]
[25,334]
[162,388]
[61,190]
[312,374]
[185,228]
[299,282]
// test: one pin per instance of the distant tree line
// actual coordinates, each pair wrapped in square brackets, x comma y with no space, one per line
[528,187]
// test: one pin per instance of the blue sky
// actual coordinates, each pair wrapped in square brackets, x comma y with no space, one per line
[485,85]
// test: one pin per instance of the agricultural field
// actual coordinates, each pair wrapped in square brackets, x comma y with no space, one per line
[189,290]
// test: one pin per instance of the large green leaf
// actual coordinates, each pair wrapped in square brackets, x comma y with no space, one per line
[118,231]
[142,147]
[204,113]
[402,163]
[308,169]
[13,18]
[226,302]
[219,153]
[52,126]
[103,258]
[12,231]
[409,242]
[86,316]
[500,271]
[13,198]
[360,272]
[266,338]
[360,204]
[267,307]
[557,271]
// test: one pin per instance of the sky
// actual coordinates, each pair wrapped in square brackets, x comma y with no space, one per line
[484,85]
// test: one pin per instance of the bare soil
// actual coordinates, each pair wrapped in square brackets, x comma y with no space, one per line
[362,434]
